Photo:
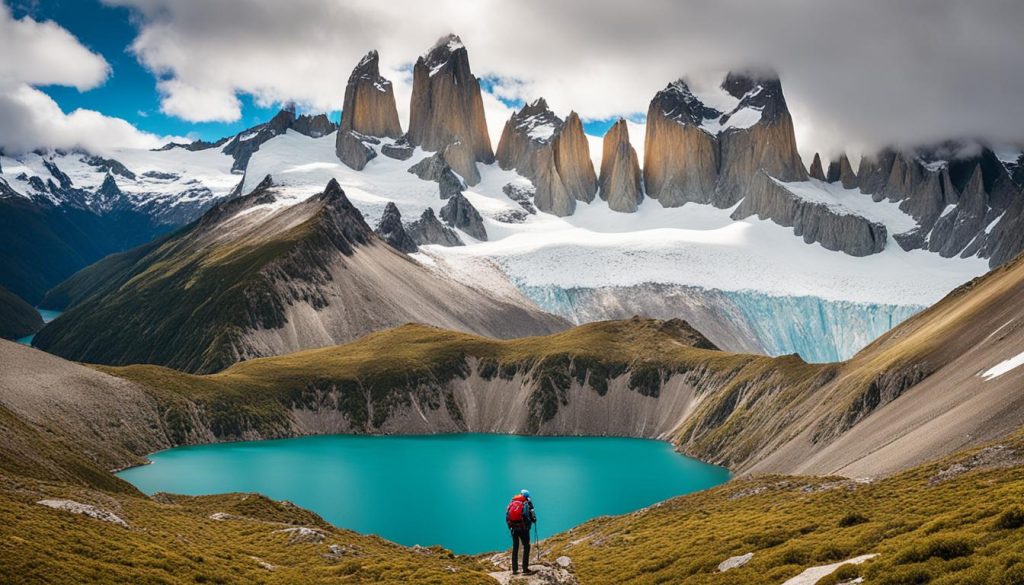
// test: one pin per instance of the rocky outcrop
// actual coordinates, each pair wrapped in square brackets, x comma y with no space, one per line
[460,213]
[841,171]
[367,114]
[399,149]
[553,154]
[521,194]
[696,153]
[460,158]
[391,230]
[428,230]
[369,107]
[834,227]
[769,145]
[619,183]
[680,157]
[446,103]
[242,146]
[816,169]
[435,168]
[963,199]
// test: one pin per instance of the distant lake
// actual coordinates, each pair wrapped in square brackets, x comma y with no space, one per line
[437,489]
[47,317]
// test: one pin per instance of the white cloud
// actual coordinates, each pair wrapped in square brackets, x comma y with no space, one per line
[30,119]
[43,53]
[197,104]
[856,73]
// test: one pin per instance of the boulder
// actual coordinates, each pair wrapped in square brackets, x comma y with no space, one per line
[619,183]
[391,230]
[398,150]
[446,102]
[435,168]
[429,230]
[460,213]
[521,194]
[354,149]
[85,510]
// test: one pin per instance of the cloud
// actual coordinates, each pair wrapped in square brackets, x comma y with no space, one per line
[857,74]
[43,53]
[30,119]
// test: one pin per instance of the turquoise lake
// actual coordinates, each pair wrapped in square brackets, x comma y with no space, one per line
[449,490]
[47,317]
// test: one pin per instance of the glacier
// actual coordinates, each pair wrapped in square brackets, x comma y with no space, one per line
[818,330]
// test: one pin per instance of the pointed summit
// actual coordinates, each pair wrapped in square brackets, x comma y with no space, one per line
[368,113]
[816,170]
[391,230]
[446,102]
[553,154]
[619,183]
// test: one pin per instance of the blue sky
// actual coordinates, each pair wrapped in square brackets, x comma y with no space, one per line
[130,92]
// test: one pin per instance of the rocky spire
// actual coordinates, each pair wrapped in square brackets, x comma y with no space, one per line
[368,113]
[768,145]
[460,213]
[619,183]
[553,154]
[369,106]
[816,170]
[680,158]
[428,230]
[847,177]
[391,230]
[446,103]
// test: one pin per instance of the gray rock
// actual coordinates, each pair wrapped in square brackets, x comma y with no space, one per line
[399,150]
[391,230]
[435,168]
[522,195]
[460,159]
[84,509]
[816,170]
[428,230]
[354,149]
[619,182]
[303,535]
[460,213]
[734,562]
[815,221]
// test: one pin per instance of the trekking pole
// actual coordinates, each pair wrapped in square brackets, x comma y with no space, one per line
[536,538]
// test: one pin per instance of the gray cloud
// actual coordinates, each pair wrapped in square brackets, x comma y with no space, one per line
[857,74]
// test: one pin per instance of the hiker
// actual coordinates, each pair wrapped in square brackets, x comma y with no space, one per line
[519,516]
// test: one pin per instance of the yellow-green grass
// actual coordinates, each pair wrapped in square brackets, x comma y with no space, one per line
[967,530]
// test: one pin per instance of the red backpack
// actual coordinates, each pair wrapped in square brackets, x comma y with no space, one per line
[515,512]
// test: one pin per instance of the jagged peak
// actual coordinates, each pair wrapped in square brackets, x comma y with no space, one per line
[443,51]
[371,58]
[678,102]
[537,120]
[739,83]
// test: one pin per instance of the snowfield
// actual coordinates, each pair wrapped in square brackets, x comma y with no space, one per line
[693,245]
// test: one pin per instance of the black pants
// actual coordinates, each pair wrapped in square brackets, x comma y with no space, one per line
[520,535]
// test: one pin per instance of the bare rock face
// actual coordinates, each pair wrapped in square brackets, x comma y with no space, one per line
[242,146]
[460,213]
[398,150]
[459,157]
[446,103]
[816,170]
[768,145]
[369,107]
[694,152]
[680,157]
[619,183]
[816,221]
[429,230]
[841,171]
[964,199]
[553,154]
[391,230]
[435,168]
[368,113]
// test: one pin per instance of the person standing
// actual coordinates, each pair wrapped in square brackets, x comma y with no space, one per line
[519,516]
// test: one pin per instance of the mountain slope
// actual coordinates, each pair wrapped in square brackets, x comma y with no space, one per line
[251,278]
[17,318]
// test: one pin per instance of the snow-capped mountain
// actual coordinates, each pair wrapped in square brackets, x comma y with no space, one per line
[707,213]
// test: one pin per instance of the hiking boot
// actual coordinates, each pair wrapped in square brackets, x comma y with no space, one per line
[515,571]
[528,572]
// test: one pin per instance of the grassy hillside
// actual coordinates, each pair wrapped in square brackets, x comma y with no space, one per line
[17,318]
[959,520]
